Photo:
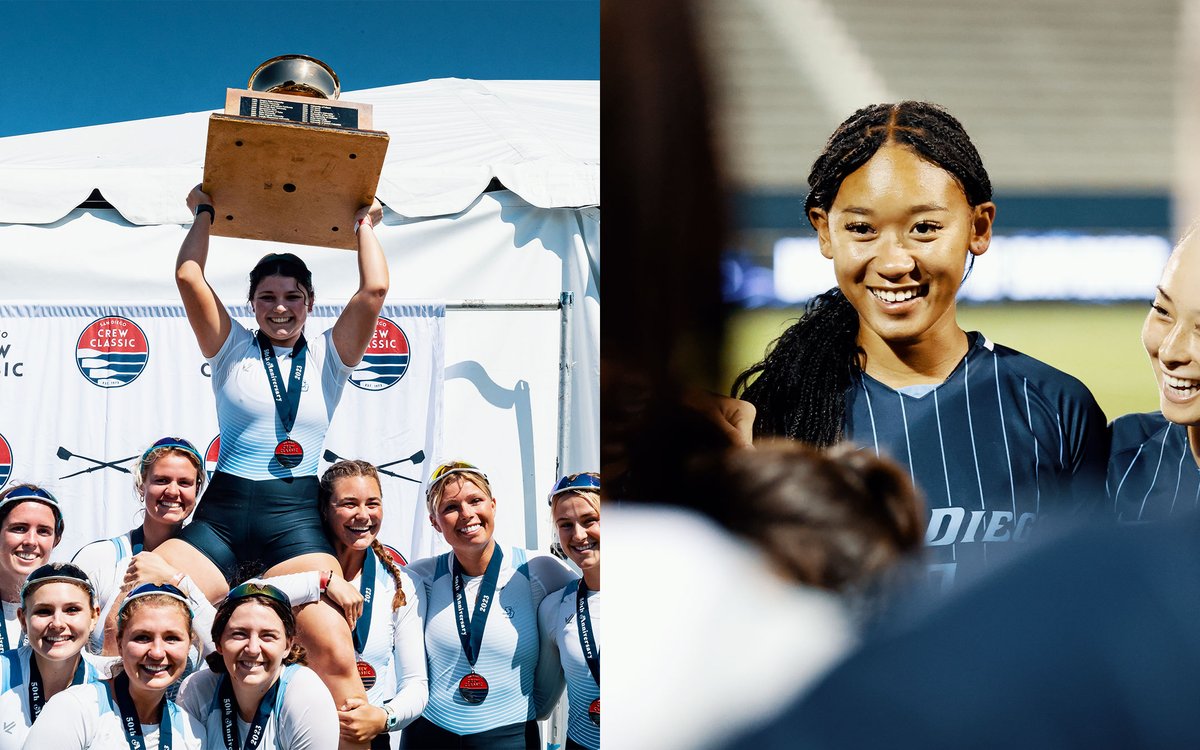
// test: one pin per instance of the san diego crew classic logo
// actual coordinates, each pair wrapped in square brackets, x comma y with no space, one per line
[5,461]
[386,358]
[112,352]
[211,454]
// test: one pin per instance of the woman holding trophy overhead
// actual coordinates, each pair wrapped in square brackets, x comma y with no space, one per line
[276,392]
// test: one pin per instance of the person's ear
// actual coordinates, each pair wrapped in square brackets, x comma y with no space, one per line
[981,227]
[820,222]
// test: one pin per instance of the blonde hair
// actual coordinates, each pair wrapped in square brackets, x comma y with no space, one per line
[433,498]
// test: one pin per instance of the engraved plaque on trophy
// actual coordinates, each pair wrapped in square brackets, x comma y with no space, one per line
[288,161]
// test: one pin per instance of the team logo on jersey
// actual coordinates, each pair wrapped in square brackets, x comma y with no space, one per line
[211,454]
[5,461]
[112,352]
[386,358]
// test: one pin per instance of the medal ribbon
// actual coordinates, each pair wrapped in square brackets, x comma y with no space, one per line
[287,404]
[129,717]
[366,587]
[229,710]
[37,696]
[470,631]
[587,638]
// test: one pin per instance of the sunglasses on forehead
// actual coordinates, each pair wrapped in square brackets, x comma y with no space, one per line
[452,467]
[254,588]
[20,493]
[587,480]
[155,589]
[173,442]
[24,493]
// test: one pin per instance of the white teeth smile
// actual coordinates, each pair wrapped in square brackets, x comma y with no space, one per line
[279,320]
[359,529]
[584,547]
[247,665]
[57,638]
[1187,387]
[154,670]
[27,556]
[902,295]
[471,529]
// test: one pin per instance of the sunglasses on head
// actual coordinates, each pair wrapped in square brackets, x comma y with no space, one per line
[451,467]
[155,589]
[57,571]
[24,493]
[572,482]
[173,442]
[253,588]
[27,492]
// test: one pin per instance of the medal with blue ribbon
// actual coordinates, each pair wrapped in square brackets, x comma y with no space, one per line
[362,628]
[473,687]
[288,452]
[229,712]
[131,725]
[587,642]
[37,691]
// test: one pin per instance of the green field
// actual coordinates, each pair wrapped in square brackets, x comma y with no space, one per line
[1099,344]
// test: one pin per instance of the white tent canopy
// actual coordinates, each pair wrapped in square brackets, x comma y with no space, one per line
[445,237]
[449,139]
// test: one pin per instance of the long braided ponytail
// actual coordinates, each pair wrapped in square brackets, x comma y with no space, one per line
[398,600]
[802,381]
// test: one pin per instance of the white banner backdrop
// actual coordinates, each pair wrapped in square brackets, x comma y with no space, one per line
[86,388]
[501,366]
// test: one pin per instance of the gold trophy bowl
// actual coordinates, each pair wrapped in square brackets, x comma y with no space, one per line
[298,75]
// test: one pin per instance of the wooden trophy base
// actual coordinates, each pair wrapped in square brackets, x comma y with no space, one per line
[283,181]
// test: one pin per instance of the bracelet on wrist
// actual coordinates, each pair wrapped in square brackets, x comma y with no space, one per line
[326,576]
[206,208]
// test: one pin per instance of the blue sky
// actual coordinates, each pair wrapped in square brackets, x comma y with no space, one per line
[72,63]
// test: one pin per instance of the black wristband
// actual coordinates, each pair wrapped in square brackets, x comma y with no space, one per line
[205,208]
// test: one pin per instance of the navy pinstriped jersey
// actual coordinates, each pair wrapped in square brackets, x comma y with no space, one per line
[1151,472]
[1004,440]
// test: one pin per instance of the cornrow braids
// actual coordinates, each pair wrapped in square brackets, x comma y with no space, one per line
[801,384]
[398,600]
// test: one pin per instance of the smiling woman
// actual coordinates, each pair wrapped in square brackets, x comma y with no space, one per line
[1154,471]
[154,631]
[257,685]
[168,479]
[276,393]
[57,612]
[996,441]
[388,640]
[31,526]
[491,675]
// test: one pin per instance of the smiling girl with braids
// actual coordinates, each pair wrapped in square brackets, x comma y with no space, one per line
[389,642]
[993,438]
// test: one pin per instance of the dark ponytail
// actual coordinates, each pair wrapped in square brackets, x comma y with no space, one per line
[802,381]
[801,386]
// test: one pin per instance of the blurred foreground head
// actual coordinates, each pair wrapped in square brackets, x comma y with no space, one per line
[834,519]
[664,231]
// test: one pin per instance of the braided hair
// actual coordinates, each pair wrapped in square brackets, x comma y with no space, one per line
[799,391]
[354,468]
